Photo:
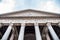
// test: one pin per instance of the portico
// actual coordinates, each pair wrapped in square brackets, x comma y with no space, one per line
[39,25]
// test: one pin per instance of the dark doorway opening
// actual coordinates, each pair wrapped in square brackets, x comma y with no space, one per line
[29,33]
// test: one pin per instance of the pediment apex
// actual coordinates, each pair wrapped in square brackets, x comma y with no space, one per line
[29,12]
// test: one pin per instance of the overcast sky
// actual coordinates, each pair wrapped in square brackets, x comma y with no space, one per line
[16,5]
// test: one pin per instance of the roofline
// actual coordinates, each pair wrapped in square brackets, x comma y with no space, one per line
[29,10]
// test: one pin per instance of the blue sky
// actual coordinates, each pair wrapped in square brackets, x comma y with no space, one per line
[57,2]
[44,5]
[16,5]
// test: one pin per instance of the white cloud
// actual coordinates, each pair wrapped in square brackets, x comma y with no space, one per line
[45,5]
[20,2]
[7,6]
[49,6]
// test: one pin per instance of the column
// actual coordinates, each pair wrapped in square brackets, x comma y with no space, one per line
[6,35]
[0,25]
[0,30]
[15,33]
[52,32]
[12,35]
[37,32]
[59,24]
[45,35]
[21,34]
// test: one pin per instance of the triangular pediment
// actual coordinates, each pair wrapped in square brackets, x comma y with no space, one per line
[30,13]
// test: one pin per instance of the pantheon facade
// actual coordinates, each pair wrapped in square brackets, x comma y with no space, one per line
[30,25]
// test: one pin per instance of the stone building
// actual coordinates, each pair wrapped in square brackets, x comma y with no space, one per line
[30,25]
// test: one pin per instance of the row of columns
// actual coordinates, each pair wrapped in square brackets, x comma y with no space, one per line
[52,32]
[6,35]
[37,32]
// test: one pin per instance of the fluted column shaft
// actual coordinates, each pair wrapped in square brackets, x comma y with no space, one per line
[21,33]
[37,32]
